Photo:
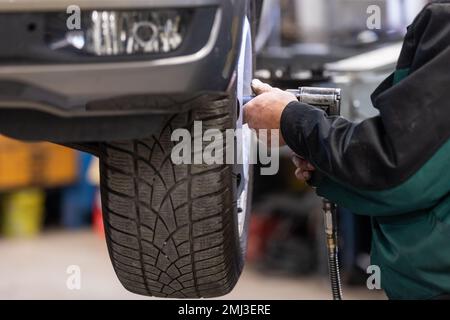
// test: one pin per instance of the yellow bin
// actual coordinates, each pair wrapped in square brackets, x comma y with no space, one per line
[23,213]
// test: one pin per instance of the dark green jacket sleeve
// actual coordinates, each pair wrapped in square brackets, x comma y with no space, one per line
[396,161]
[424,190]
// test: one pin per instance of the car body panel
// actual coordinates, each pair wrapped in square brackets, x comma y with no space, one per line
[117,90]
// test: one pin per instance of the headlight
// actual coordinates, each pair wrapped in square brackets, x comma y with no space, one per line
[117,33]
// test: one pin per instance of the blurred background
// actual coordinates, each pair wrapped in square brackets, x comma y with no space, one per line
[50,210]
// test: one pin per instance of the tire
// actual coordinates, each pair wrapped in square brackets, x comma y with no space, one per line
[172,230]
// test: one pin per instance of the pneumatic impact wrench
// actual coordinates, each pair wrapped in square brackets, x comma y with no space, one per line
[329,100]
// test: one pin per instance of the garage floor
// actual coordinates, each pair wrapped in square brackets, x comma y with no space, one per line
[36,269]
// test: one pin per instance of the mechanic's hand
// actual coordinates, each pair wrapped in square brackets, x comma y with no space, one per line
[264,112]
[304,168]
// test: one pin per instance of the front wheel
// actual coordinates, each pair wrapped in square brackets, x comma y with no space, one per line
[180,231]
[175,231]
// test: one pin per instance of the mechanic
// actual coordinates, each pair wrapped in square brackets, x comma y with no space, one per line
[394,167]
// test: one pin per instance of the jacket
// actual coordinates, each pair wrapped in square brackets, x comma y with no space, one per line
[394,167]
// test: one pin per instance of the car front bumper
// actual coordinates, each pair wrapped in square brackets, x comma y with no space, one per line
[103,94]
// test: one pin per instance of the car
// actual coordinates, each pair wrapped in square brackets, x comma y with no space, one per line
[117,79]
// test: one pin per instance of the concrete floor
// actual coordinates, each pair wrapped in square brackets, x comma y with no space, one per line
[36,269]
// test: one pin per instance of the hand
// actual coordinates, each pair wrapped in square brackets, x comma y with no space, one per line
[264,112]
[304,168]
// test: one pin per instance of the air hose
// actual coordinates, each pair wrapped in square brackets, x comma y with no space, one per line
[330,211]
[328,100]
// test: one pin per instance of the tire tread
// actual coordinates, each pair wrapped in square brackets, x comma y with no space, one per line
[160,243]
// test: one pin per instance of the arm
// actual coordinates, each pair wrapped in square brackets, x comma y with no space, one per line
[421,191]
[396,162]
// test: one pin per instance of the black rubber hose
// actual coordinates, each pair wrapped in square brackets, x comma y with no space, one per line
[331,231]
[335,276]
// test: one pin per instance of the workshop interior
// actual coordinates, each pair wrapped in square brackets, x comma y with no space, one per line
[92,203]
